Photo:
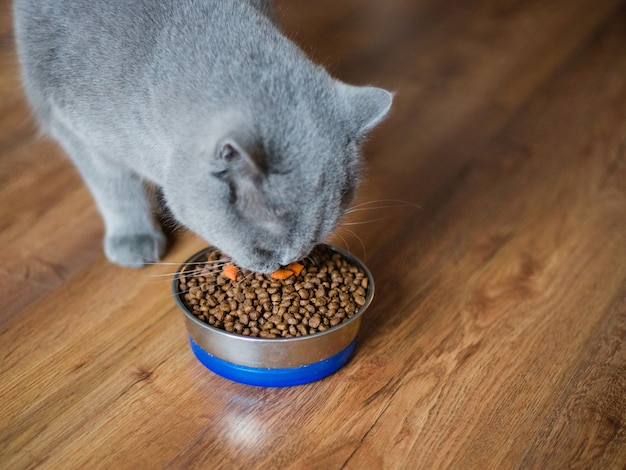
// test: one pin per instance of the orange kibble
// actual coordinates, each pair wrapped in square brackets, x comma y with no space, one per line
[295,267]
[281,274]
[230,271]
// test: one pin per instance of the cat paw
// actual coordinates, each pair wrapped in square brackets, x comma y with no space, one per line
[135,251]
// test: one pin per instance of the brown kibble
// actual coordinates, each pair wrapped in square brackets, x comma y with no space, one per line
[314,322]
[300,299]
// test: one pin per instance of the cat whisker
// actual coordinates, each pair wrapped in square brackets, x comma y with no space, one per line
[158,263]
[387,204]
[234,284]
[345,243]
[374,201]
[372,208]
[196,272]
[355,235]
[364,221]
[200,268]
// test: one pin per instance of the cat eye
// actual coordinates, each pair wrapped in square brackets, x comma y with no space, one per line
[221,174]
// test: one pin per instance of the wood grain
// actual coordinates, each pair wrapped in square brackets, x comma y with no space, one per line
[493,219]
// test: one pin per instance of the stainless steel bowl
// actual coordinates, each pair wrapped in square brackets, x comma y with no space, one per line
[272,361]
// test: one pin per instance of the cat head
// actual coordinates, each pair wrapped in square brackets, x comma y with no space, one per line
[265,183]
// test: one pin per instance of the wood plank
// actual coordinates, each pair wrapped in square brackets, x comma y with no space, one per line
[436,126]
[496,338]
[587,422]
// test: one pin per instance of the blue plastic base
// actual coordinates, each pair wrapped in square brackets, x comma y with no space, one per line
[273,377]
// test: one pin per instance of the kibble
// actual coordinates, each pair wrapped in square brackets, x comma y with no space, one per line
[324,291]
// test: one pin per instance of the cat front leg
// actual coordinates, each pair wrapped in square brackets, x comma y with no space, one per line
[133,237]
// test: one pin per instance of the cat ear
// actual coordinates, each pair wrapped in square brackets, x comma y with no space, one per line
[367,105]
[241,155]
[243,166]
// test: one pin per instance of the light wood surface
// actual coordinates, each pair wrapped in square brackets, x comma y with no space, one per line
[497,337]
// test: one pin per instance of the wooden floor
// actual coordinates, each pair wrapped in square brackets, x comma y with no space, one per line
[497,337]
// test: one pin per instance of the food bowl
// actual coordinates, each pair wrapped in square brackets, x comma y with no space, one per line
[272,362]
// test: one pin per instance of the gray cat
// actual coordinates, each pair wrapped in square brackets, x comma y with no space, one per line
[254,147]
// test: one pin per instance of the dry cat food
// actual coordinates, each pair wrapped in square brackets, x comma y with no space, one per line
[300,299]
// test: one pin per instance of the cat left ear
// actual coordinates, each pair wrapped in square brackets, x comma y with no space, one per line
[242,154]
[368,105]
[244,167]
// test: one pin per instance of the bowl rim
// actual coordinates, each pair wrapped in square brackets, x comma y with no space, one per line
[235,336]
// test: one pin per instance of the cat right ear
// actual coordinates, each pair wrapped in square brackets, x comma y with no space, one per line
[368,105]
